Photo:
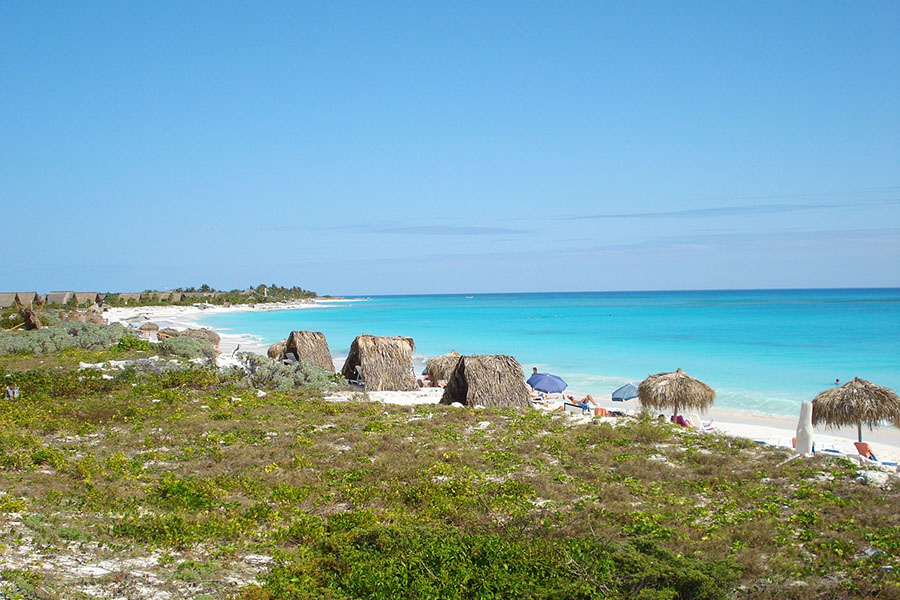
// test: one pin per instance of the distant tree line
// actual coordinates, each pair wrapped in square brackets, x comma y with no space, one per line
[205,293]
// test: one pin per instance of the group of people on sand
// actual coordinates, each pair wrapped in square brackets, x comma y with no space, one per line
[586,403]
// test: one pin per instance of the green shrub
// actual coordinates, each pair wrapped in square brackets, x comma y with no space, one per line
[260,372]
[187,347]
[130,342]
[397,561]
[48,340]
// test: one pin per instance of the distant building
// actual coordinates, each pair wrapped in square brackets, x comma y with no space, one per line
[82,298]
[27,298]
[171,296]
[129,297]
[59,298]
[7,299]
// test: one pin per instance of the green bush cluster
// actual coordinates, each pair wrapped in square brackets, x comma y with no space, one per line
[187,347]
[130,342]
[263,373]
[351,559]
[47,340]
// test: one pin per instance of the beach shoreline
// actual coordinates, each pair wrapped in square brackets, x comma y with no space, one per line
[771,429]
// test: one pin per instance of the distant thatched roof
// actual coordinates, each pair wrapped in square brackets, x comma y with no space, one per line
[489,380]
[128,297]
[202,334]
[60,298]
[148,326]
[857,402]
[168,332]
[276,350]
[440,367]
[386,362]
[311,347]
[26,298]
[7,299]
[676,390]
[85,297]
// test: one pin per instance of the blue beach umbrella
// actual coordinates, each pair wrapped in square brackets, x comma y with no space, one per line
[547,383]
[626,392]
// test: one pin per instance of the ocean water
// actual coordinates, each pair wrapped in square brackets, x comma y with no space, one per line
[763,351]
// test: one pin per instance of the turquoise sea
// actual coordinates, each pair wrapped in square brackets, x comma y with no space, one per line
[763,351]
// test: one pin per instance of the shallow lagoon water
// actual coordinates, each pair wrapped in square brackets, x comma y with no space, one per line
[763,351]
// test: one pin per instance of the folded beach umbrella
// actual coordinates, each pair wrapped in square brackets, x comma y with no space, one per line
[547,383]
[626,392]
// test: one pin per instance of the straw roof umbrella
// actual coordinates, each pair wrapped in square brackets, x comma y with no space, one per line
[854,403]
[676,390]
[310,347]
[440,367]
[385,363]
[149,326]
[494,380]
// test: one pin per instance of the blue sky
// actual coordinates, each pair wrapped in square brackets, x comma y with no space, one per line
[369,148]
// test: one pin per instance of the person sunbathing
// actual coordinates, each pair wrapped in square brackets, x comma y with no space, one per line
[865,450]
[584,402]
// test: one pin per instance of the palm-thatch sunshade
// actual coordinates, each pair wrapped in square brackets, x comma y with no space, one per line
[854,403]
[276,350]
[488,380]
[149,326]
[202,334]
[676,390]
[440,367]
[310,347]
[27,298]
[384,362]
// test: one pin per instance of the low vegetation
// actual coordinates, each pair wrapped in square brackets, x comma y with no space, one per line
[87,336]
[187,482]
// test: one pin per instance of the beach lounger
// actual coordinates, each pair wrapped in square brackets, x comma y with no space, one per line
[702,427]
[574,408]
[360,380]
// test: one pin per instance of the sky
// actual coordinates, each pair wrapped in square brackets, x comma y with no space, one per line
[410,147]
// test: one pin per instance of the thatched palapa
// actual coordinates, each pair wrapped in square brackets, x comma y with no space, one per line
[440,367]
[488,380]
[59,298]
[27,298]
[149,326]
[202,334]
[276,350]
[385,362]
[83,298]
[857,402]
[7,299]
[168,332]
[310,347]
[676,390]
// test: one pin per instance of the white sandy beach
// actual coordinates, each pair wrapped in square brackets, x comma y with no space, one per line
[773,430]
